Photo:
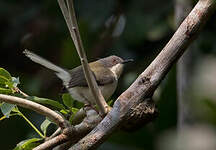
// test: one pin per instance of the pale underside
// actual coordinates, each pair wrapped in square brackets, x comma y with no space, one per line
[84,95]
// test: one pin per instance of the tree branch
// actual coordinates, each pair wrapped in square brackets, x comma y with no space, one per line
[74,31]
[63,146]
[56,133]
[147,82]
[72,134]
[58,119]
[52,142]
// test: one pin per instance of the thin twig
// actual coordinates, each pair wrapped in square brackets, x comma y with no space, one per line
[65,13]
[29,122]
[78,131]
[21,92]
[147,82]
[58,119]
[57,132]
[74,31]
[52,142]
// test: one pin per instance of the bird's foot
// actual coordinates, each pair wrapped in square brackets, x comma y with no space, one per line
[90,106]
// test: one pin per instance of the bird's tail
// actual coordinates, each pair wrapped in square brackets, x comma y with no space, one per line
[60,72]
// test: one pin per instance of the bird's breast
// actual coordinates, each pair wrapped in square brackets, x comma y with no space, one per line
[83,94]
[108,89]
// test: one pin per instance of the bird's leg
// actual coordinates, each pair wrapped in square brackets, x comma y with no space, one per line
[90,106]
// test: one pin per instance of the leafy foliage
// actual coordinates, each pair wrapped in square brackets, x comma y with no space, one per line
[5,74]
[5,91]
[8,85]
[40,26]
[28,144]
[68,100]
[47,101]
[45,125]
[5,81]
[7,109]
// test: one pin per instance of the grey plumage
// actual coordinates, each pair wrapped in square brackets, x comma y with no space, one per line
[106,72]
[78,77]
[60,72]
[74,77]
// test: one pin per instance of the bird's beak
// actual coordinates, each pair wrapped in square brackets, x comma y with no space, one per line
[127,61]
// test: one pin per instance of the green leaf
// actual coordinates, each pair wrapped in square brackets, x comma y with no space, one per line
[28,144]
[12,84]
[46,101]
[78,104]
[74,111]
[110,103]
[3,80]
[15,109]
[45,125]
[7,108]
[67,100]
[5,74]
[15,81]
[2,85]
[5,91]
[64,111]
[9,84]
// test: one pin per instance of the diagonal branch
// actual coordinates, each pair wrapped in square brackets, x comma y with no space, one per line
[147,82]
[70,18]
[64,125]
[53,142]
[58,119]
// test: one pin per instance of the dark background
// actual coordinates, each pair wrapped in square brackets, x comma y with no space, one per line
[143,29]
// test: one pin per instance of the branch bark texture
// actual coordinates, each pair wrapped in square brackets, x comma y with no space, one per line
[52,142]
[58,119]
[147,82]
[70,18]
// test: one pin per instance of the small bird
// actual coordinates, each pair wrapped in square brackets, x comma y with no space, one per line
[106,72]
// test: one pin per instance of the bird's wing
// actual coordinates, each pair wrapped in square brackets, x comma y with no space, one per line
[102,76]
[77,77]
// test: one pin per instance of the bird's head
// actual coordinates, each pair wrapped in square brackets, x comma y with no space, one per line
[115,64]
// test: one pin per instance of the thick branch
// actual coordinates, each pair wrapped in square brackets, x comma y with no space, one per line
[140,115]
[58,119]
[70,19]
[147,82]
[63,146]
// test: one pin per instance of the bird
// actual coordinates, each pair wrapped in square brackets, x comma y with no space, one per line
[106,72]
